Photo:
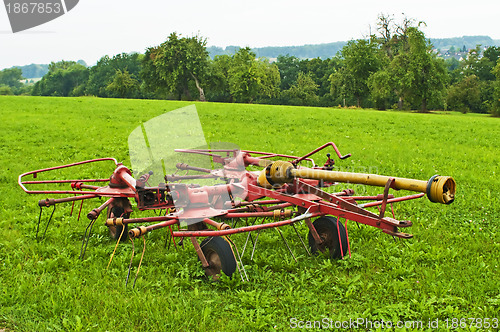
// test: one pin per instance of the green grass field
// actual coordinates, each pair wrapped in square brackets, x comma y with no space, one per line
[448,271]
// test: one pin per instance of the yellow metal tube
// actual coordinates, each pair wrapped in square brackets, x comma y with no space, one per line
[439,189]
[360,178]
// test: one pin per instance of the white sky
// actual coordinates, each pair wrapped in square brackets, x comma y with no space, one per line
[95,28]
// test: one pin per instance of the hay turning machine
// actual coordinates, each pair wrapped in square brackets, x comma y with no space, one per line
[213,193]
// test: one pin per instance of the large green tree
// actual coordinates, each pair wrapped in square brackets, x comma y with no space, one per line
[176,63]
[105,71]
[218,82]
[361,58]
[303,92]
[65,78]
[10,80]
[480,63]
[495,108]
[464,96]
[381,88]
[393,35]
[250,78]
[320,70]
[123,85]
[288,66]
[421,75]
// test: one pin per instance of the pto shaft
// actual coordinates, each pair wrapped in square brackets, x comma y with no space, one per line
[440,189]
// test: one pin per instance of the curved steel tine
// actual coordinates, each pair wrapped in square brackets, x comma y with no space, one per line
[86,237]
[255,244]
[38,224]
[48,223]
[286,244]
[140,262]
[301,240]
[131,260]
[239,261]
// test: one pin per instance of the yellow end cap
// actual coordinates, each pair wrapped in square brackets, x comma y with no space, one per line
[441,189]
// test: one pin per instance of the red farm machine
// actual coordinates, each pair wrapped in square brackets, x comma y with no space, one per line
[214,193]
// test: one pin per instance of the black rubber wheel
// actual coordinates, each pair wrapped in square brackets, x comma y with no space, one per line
[219,256]
[326,227]
[116,231]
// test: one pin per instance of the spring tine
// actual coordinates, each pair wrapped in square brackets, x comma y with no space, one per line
[84,237]
[91,224]
[140,262]
[72,207]
[245,245]
[48,222]
[131,260]
[286,243]
[88,238]
[250,233]
[255,244]
[116,246]
[167,242]
[301,241]
[80,211]
[239,261]
[38,224]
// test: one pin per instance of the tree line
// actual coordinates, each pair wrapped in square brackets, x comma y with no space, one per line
[394,68]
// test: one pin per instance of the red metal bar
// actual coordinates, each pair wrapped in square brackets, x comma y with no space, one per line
[249,214]
[319,149]
[347,235]
[263,202]
[388,185]
[51,201]
[86,186]
[266,155]
[35,173]
[96,212]
[186,167]
[314,232]
[150,219]
[249,208]
[340,239]
[122,176]
[236,230]
[392,200]
[163,224]
[371,198]
[199,252]
[65,181]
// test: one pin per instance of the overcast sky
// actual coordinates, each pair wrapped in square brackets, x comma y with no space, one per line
[98,27]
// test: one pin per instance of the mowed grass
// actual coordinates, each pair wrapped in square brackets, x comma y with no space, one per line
[450,269]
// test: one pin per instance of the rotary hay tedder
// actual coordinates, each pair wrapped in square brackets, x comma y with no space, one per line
[247,192]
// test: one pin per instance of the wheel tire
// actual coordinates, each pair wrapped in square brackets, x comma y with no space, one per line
[219,256]
[116,231]
[326,227]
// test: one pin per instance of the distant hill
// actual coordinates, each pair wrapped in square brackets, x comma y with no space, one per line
[329,50]
[36,70]
[467,41]
[323,51]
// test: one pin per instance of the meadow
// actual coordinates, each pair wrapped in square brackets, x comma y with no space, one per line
[448,272]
